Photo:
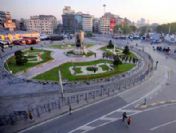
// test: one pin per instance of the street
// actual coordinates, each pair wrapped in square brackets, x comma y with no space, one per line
[106,116]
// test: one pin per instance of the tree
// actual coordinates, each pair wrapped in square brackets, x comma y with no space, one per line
[126,50]
[125,29]
[133,28]
[110,45]
[20,58]
[117,60]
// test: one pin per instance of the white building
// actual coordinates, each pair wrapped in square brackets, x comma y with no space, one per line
[68,10]
[87,22]
[42,24]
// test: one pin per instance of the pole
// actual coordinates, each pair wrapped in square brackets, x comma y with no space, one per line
[60,82]
[114,49]
[169,28]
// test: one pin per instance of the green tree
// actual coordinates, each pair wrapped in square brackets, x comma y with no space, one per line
[20,58]
[133,28]
[116,60]
[126,50]
[110,45]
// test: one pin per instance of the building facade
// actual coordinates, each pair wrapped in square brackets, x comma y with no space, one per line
[43,24]
[74,22]
[87,23]
[96,25]
[69,23]
[2,19]
[6,21]
[104,24]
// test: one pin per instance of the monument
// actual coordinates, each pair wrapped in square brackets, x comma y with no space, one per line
[79,41]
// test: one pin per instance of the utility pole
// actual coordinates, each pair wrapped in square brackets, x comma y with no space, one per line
[60,82]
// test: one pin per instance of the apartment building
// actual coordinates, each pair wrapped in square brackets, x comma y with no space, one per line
[87,23]
[43,24]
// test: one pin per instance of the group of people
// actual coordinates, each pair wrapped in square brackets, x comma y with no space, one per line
[125,117]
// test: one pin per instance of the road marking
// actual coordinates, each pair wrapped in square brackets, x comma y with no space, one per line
[162,125]
[108,98]
[120,109]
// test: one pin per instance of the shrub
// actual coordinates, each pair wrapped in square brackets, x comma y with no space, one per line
[92,68]
[20,58]
[117,60]
[31,48]
[126,50]
[110,45]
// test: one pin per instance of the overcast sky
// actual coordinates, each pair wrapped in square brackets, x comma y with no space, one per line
[160,11]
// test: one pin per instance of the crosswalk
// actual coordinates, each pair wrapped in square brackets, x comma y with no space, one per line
[104,120]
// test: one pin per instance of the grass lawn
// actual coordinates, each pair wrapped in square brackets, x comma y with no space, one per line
[88,54]
[46,56]
[131,54]
[68,46]
[77,70]
[104,67]
[53,73]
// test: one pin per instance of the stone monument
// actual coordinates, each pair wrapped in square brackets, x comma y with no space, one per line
[79,41]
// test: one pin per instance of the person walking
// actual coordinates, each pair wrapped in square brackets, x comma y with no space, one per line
[70,109]
[124,116]
[129,120]
[30,115]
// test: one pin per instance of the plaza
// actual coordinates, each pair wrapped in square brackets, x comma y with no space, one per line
[87,66]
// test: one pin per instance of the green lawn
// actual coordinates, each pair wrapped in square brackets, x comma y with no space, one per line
[53,73]
[67,46]
[88,54]
[131,54]
[104,67]
[46,56]
[77,70]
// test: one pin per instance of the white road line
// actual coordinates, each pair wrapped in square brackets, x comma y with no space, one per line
[148,94]
[108,118]
[162,125]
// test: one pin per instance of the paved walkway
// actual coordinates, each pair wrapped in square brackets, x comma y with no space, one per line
[59,58]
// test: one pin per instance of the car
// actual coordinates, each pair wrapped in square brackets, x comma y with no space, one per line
[4,44]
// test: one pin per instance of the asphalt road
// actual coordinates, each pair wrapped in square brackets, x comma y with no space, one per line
[105,116]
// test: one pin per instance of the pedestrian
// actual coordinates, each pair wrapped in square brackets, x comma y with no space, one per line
[70,109]
[129,120]
[124,116]
[145,101]
[30,115]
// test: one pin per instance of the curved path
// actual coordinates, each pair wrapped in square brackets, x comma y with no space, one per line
[104,116]
[59,58]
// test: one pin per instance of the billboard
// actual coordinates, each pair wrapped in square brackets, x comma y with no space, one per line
[112,24]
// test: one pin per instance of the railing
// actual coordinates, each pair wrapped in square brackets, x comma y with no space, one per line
[77,99]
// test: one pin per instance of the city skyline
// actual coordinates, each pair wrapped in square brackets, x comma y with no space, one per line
[152,11]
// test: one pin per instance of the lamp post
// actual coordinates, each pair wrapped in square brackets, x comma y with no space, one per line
[60,82]
[104,6]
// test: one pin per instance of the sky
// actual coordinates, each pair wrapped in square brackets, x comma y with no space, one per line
[154,11]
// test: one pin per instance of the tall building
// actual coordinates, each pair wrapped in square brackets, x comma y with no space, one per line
[69,23]
[87,23]
[2,19]
[42,24]
[105,23]
[6,21]
[96,25]
[141,22]
[73,22]
[68,10]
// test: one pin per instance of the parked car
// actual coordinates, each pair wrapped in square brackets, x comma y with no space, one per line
[4,44]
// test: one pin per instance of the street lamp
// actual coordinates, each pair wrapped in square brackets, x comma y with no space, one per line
[104,6]
[60,82]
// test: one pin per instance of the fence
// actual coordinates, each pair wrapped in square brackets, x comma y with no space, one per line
[84,97]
